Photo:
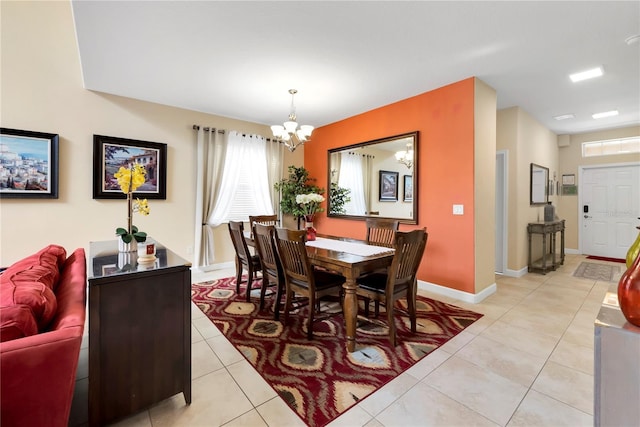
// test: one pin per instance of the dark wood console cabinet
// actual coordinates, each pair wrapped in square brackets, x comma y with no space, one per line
[550,258]
[139,331]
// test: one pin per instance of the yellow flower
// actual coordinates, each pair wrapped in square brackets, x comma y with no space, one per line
[129,179]
[142,207]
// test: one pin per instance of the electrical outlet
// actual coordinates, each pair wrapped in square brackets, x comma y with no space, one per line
[189,250]
[458,209]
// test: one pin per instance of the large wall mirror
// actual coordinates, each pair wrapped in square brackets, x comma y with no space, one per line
[375,179]
[539,185]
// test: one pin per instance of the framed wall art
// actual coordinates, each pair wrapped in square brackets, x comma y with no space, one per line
[388,186]
[407,188]
[29,163]
[110,153]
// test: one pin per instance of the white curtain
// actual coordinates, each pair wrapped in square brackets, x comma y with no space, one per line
[367,179]
[351,173]
[243,152]
[275,159]
[211,148]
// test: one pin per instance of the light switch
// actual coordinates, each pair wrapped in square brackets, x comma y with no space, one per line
[458,209]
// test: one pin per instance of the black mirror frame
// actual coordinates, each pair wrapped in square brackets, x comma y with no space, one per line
[415,175]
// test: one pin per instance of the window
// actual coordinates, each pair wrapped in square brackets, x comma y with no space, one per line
[244,186]
[611,146]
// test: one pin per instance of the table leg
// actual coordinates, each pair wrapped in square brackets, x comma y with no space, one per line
[350,310]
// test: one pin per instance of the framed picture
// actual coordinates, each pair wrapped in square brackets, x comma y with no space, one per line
[388,186]
[407,190]
[110,153]
[29,164]
[568,179]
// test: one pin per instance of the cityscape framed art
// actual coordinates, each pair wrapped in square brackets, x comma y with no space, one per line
[29,163]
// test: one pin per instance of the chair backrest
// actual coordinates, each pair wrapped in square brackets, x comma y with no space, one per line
[293,255]
[263,235]
[236,230]
[262,219]
[381,231]
[409,247]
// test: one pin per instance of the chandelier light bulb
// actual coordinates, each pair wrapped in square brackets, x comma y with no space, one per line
[289,133]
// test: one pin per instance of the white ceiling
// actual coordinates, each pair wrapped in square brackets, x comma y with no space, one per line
[239,59]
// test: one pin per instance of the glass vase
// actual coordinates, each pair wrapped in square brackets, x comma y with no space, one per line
[629,293]
[308,225]
[127,247]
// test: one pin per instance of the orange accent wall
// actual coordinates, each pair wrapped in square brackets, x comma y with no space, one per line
[445,120]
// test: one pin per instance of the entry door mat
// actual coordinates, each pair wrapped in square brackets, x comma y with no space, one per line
[319,379]
[604,258]
[595,271]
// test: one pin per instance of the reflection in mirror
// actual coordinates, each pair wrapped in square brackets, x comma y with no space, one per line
[539,183]
[375,179]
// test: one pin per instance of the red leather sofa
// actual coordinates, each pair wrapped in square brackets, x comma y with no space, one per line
[42,318]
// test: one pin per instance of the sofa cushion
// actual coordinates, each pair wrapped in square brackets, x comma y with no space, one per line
[38,297]
[16,322]
[44,266]
[32,282]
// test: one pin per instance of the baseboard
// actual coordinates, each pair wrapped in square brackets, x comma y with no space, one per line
[515,273]
[459,295]
[572,251]
[212,267]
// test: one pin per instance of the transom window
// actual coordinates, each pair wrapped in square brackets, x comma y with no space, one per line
[611,146]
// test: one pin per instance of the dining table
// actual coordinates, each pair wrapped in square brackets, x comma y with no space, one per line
[350,258]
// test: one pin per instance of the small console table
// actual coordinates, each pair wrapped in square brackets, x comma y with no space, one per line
[550,258]
[139,331]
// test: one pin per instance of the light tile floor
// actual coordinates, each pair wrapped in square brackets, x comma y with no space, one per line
[527,362]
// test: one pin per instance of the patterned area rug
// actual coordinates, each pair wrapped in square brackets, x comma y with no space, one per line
[319,379]
[595,271]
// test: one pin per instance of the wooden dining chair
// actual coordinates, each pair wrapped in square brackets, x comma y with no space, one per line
[244,259]
[300,276]
[398,282]
[381,231]
[272,273]
[262,219]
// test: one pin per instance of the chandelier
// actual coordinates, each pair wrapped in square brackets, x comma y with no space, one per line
[290,134]
[405,156]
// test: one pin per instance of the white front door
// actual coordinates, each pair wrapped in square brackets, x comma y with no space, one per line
[609,209]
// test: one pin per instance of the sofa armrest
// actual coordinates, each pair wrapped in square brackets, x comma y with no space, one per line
[38,378]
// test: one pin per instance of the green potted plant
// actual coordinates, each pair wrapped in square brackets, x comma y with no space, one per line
[338,197]
[297,183]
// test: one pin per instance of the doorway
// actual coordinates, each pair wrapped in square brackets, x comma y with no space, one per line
[501,211]
[608,209]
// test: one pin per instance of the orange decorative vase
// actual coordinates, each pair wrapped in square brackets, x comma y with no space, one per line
[308,225]
[629,293]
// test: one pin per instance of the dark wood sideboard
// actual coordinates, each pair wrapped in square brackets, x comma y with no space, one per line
[139,331]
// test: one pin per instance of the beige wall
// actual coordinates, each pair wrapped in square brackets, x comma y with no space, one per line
[570,159]
[41,90]
[527,141]
[485,172]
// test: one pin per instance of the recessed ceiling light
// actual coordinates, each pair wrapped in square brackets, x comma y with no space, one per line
[605,114]
[565,117]
[588,74]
